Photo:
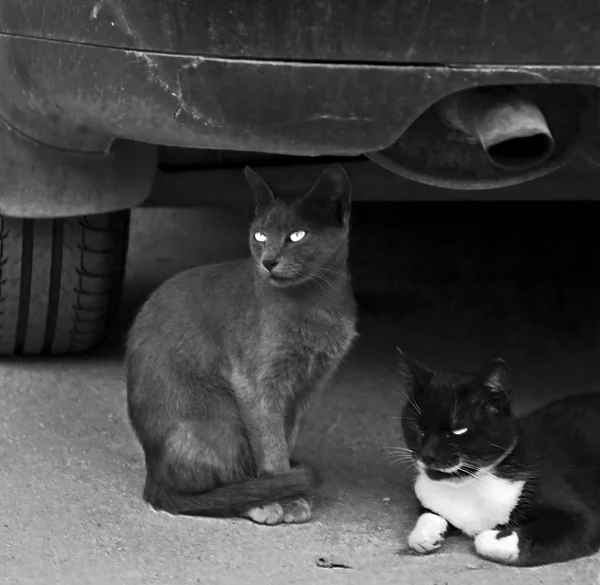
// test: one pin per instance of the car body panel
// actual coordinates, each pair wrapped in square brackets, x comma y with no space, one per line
[82,97]
[533,32]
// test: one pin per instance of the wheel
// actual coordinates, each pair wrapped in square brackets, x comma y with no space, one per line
[60,281]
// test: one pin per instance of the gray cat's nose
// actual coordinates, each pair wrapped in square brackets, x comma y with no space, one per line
[269,264]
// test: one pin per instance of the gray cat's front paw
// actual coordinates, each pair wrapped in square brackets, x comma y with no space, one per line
[297,512]
[270,515]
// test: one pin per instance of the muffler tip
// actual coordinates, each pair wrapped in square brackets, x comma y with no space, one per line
[521,152]
[512,131]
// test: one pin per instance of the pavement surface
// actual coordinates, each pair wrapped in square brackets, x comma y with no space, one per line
[451,290]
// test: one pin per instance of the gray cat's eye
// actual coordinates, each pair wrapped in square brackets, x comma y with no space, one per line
[297,235]
[260,237]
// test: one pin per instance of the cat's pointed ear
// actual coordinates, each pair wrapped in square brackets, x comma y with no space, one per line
[415,374]
[497,377]
[331,194]
[263,195]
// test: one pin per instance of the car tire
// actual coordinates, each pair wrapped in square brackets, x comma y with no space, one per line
[60,281]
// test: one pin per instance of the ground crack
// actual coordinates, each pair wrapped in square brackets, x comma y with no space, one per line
[326,563]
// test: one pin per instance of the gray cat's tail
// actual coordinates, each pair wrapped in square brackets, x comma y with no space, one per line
[236,499]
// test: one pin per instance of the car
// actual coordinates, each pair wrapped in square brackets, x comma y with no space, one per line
[108,105]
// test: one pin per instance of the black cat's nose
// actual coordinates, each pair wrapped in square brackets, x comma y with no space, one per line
[269,264]
[427,458]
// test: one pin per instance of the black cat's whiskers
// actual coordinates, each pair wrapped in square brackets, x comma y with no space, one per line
[455,411]
[397,449]
[466,469]
[402,458]
[395,455]
[463,471]
[406,462]
[471,469]
[408,456]
[497,446]
[469,465]
[408,419]
[412,401]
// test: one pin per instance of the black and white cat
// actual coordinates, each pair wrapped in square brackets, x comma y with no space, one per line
[527,489]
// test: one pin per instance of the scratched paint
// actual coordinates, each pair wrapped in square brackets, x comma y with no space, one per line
[153,68]
[418,32]
[96,10]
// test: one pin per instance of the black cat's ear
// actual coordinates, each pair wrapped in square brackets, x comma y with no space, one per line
[415,374]
[496,376]
[263,194]
[331,194]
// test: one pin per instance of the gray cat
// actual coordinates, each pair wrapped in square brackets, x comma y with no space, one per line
[222,359]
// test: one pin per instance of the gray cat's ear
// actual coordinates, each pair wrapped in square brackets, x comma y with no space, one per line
[263,194]
[415,374]
[332,192]
[497,377]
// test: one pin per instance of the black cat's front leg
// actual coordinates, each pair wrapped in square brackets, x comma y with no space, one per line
[546,535]
[429,532]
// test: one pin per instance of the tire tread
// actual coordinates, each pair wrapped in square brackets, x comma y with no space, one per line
[60,282]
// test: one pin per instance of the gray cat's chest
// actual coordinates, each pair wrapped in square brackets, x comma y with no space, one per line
[317,333]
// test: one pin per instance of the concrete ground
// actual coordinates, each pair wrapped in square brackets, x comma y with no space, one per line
[451,290]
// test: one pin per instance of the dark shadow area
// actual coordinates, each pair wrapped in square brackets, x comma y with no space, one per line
[526,263]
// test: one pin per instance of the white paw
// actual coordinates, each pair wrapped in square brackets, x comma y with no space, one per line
[270,515]
[297,512]
[428,533]
[503,550]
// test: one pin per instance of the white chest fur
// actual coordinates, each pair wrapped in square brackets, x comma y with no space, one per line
[472,506]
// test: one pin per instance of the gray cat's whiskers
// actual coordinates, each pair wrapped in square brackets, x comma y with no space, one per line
[319,278]
[338,272]
[342,277]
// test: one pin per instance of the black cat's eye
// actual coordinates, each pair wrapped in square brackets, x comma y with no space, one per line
[459,431]
[419,431]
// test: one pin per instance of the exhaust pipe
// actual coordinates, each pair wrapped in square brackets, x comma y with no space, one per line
[511,129]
